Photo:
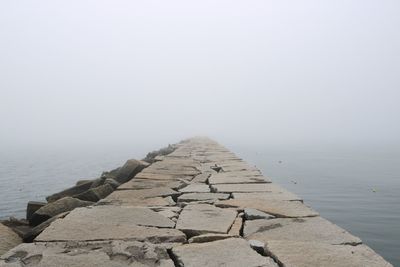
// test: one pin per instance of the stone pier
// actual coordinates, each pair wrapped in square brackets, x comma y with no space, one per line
[198,206]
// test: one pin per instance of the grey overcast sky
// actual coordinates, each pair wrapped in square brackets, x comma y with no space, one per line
[274,72]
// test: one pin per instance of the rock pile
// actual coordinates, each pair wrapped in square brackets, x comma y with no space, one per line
[197,206]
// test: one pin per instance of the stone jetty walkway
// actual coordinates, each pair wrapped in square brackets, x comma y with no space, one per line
[199,206]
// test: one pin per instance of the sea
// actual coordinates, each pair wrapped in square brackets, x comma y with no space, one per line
[357,189]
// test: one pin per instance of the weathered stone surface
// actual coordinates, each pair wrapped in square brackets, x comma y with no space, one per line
[208,238]
[112,182]
[32,233]
[169,212]
[139,202]
[235,178]
[57,207]
[98,182]
[300,229]
[33,206]
[74,231]
[244,188]
[202,218]
[95,194]
[126,195]
[8,239]
[232,252]
[162,176]
[99,254]
[201,178]
[129,170]
[112,222]
[69,192]
[195,188]
[192,197]
[148,184]
[253,214]
[289,209]
[306,254]
[273,195]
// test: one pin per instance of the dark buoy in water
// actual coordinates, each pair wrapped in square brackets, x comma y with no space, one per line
[280,161]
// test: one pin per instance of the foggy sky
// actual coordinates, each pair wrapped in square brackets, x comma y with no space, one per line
[273,72]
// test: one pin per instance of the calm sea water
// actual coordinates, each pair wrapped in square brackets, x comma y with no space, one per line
[358,190]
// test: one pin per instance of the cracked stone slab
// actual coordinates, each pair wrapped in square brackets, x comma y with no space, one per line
[201,178]
[99,254]
[192,197]
[172,171]
[112,222]
[272,195]
[195,188]
[236,178]
[200,219]
[139,202]
[245,188]
[306,254]
[253,214]
[148,184]
[285,209]
[299,229]
[169,212]
[75,231]
[208,238]
[232,252]
[142,193]
[162,176]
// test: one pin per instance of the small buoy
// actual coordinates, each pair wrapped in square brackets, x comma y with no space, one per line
[280,161]
[374,190]
[294,182]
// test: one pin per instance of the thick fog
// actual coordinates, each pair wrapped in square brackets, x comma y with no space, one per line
[282,73]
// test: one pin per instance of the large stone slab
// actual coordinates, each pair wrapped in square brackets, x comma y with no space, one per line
[306,254]
[300,229]
[99,254]
[195,188]
[273,195]
[285,209]
[136,184]
[162,176]
[142,193]
[57,207]
[201,178]
[128,170]
[75,231]
[202,218]
[232,252]
[72,191]
[245,188]
[8,239]
[111,222]
[138,202]
[192,197]
[95,194]
[235,178]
